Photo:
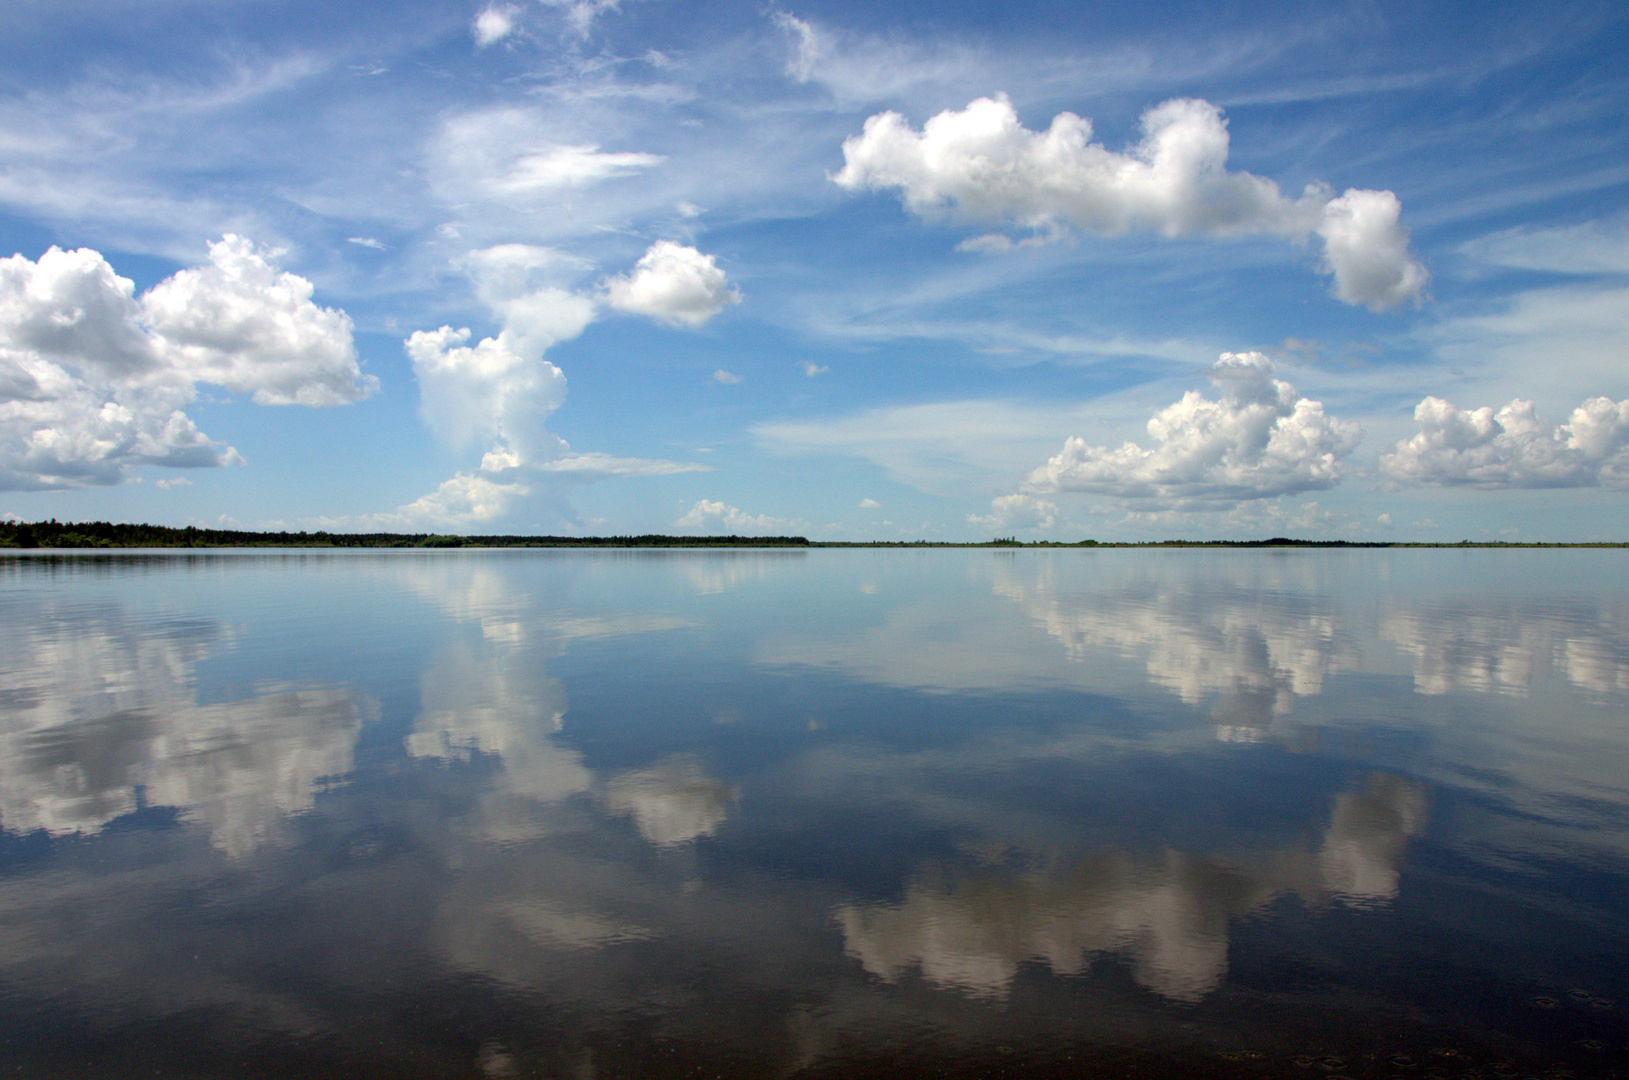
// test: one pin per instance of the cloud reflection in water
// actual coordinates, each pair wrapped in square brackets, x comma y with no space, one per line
[1170,917]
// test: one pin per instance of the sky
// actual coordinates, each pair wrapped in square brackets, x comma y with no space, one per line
[854,272]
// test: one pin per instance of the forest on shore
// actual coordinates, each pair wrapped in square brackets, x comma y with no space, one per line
[105,534]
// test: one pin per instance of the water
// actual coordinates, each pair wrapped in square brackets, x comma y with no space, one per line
[817,813]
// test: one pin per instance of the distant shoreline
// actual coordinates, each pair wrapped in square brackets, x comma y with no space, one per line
[103,535]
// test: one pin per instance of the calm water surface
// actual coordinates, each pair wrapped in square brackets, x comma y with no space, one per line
[820,813]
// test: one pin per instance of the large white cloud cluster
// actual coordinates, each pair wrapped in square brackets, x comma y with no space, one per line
[94,380]
[1514,447]
[1262,439]
[987,165]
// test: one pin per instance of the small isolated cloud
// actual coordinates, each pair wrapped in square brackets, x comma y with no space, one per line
[94,380]
[1384,521]
[592,466]
[1260,440]
[492,25]
[811,369]
[673,284]
[728,378]
[1514,447]
[870,504]
[172,482]
[983,165]
[366,241]
[1017,512]
[506,155]
[715,517]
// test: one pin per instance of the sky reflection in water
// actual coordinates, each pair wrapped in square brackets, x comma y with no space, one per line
[767,812]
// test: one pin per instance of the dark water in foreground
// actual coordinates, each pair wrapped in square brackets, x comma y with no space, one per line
[826,814]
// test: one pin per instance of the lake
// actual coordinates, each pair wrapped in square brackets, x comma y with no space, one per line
[823,813]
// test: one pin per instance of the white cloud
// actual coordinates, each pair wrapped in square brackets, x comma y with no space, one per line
[367,242]
[492,25]
[594,465]
[709,516]
[507,155]
[1514,447]
[499,392]
[870,504]
[242,323]
[673,284]
[989,167]
[1261,440]
[553,167]
[487,392]
[1017,512]
[1366,251]
[173,482]
[728,378]
[93,380]
[811,369]
[1591,247]
[462,501]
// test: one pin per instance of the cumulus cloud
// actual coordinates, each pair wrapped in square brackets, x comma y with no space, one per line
[673,284]
[1514,447]
[462,501]
[728,378]
[94,380]
[870,504]
[492,25]
[242,323]
[710,516]
[499,391]
[988,167]
[1017,512]
[487,392]
[1260,440]
[811,369]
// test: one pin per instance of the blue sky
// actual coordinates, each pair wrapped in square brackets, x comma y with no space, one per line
[924,270]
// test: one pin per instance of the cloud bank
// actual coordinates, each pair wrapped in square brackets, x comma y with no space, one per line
[1260,440]
[94,380]
[1514,447]
[1175,182]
